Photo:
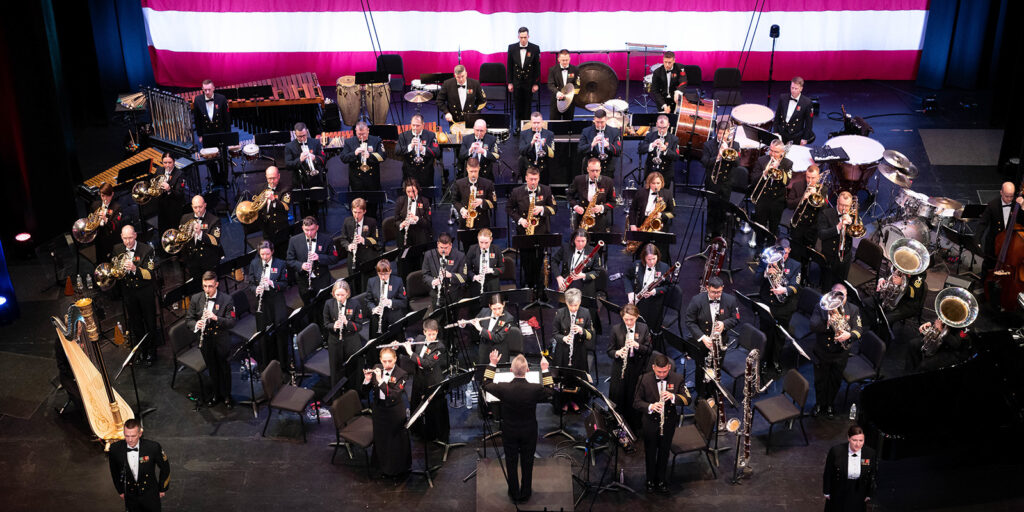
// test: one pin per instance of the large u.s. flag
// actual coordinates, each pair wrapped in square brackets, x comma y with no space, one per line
[241,40]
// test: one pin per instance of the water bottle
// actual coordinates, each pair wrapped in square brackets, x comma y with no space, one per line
[622,476]
[78,283]
[88,281]
[469,398]
[853,412]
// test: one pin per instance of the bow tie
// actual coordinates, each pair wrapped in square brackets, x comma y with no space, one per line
[309,240]
[716,301]
[522,47]
[592,182]
[463,86]
[650,269]
[133,449]
[565,69]
[209,100]
[793,99]
[1007,205]
[579,253]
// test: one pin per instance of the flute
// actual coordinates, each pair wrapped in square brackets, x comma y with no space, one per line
[396,344]
[474,321]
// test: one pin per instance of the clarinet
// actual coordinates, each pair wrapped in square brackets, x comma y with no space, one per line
[483,271]
[383,297]
[202,318]
[661,420]
[440,285]
[572,342]
[625,360]
[259,297]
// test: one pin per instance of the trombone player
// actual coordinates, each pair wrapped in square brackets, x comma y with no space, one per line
[837,324]
[805,195]
[771,174]
[720,159]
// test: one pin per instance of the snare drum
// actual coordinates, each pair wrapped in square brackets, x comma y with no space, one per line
[864,155]
[418,85]
[914,204]
[648,80]
[752,114]
[915,229]
[251,151]
[501,134]
[209,153]
[801,157]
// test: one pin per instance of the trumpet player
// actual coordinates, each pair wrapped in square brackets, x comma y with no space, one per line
[584,188]
[771,202]
[668,82]
[171,201]
[388,302]
[211,315]
[203,251]
[412,212]
[642,273]
[310,256]
[343,317]
[363,154]
[518,209]
[719,183]
[659,396]
[803,228]
[779,287]
[444,271]
[304,155]
[485,264]
[836,330]
[268,277]
[418,150]
[709,314]
[493,323]
[537,148]
[428,361]
[571,255]
[273,217]
[473,193]
[644,202]
[481,145]
[573,336]
[109,231]
[661,148]
[630,346]
[137,292]
[836,239]
[360,236]
[602,142]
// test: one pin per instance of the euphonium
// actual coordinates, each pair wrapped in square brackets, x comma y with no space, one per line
[144,190]
[651,223]
[248,211]
[772,256]
[832,302]
[107,274]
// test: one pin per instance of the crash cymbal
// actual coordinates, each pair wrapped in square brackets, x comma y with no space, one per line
[598,83]
[945,203]
[896,159]
[418,96]
[910,172]
[900,179]
[568,93]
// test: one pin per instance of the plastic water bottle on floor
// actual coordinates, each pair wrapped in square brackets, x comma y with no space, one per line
[853,412]
[469,398]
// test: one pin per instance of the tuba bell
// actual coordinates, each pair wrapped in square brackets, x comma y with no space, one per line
[956,307]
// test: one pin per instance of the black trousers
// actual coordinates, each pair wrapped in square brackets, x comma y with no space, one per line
[215,351]
[836,271]
[657,447]
[522,96]
[847,498]
[275,348]
[716,209]
[368,181]
[768,213]
[519,450]
[776,341]
[533,268]
[828,376]
[146,502]
[424,174]
[555,115]
[140,307]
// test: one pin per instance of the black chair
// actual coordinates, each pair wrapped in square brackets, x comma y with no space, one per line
[696,437]
[734,364]
[390,229]
[284,397]
[693,80]
[314,358]
[186,355]
[494,82]
[245,323]
[781,408]
[508,275]
[351,427]
[867,261]
[392,65]
[514,339]
[866,365]
[727,87]
[800,323]
[419,293]
[673,308]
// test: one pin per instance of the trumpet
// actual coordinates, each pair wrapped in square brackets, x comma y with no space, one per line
[310,164]
[659,146]
[144,190]
[601,143]
[538,148]
[363,166]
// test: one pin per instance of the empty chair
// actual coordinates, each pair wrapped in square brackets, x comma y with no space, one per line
[419,292]
[245,323]
[673,304]
[866,365]
[284,397]
[800,323]
[494,82]
[694,80]
[314,358]
[185,354]
[696,437]
[786,406]
[727,87]
[867,261]
[351,427]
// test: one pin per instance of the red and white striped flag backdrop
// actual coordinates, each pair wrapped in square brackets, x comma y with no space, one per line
[241,40]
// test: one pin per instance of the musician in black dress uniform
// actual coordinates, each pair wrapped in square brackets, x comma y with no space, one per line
[803,228]
[449,277]
[392,450]
[772,201]
[571,255]
[311,252]
[584,188]
[211,315]
[849,478]
[139,469]
[203,252]
[661,148]
[360,235]
[832,350]
[412,212]
[387,300]
[831,223]
[363,161]
[641,274]
[211,115]
[780,299]
[537,148]
[171,202]
[137,291]
[268,277]
[601,142]
[994,220]
[523,73]
[480,145]
[909,304]
[305,156]
[631,346]
[659,394]
[485,264]
[482,200]
[644,202]
[939,352]
[494,325]
[666,82]
[418,150]
[274,216]
[344,339]
[429,361]
[460,95]
[109,232]
[558,75]
[794,120]
[518,209]
[719,183]
[706,313]
[574,333]
[519,400]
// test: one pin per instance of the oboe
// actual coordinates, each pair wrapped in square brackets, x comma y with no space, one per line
[484,265]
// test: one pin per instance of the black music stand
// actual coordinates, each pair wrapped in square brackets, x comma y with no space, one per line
[130,362]
[310,200]
[595,427]
[467,237]
[567,376]
[697,218]
[385,131]
[221,141]
[493,120]
[225,267]
[366,269]
[410,259]
[272,138]
[609,238]
[730,234]
[441,388]
[265,337]
[651,237]
[531,242]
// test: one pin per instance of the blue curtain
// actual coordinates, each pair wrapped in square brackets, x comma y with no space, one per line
[961,42]
[119,34]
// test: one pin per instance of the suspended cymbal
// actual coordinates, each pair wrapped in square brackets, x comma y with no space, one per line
[418,96]
[945,203]
[910,172]
[896,159]
[594,107]
[900,179]
[616,105]
[598,83]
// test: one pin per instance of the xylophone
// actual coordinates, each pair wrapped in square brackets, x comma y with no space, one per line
[110,175]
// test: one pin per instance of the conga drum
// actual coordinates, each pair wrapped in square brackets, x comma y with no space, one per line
[209,153]
[349,99]
[378,101]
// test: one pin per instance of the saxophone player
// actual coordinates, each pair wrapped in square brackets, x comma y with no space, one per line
[418,150]
[537,147]
[644,202]
[571,255]
[482,200]
[832,349]
[388,302]
[719,183]
[518,209]
[485,263]
[268,276]
[771,202]
[779,287]
[659,396]
[708,313]
[661,147]
[593,187]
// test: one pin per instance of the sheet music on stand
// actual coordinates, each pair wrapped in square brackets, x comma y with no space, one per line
[532,376]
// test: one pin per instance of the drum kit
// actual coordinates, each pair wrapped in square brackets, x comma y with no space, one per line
[356,101]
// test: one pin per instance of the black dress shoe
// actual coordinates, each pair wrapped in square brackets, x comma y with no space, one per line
[524,497]
[229,403]
[211,402]
[816,411]
[650,486]
[662,488]
[830,412]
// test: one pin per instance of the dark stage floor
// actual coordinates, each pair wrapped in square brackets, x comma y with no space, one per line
[220,462]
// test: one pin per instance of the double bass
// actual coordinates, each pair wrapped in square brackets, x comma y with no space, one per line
[1006,280]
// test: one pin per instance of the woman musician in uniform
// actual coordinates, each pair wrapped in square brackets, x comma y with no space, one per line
[343,318]
[493,324]
[629,349]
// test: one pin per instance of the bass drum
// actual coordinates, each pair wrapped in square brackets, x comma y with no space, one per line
[914,229]
[378,101]
[348,99]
